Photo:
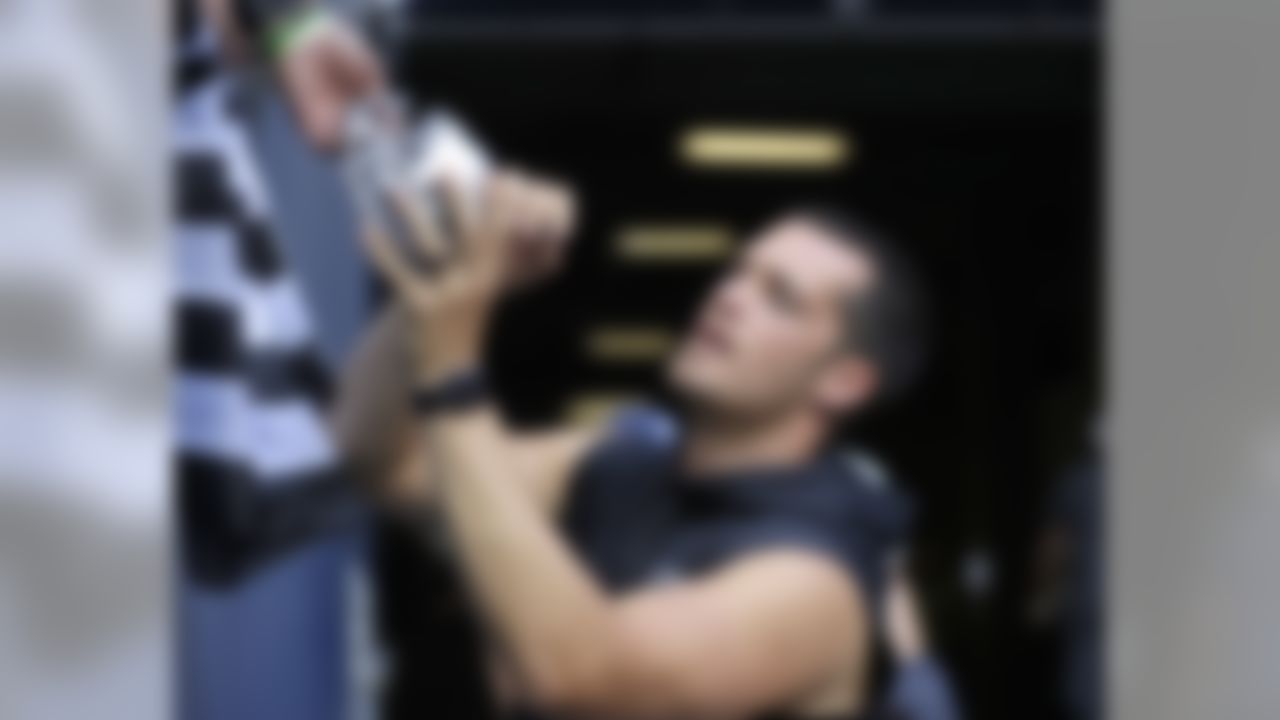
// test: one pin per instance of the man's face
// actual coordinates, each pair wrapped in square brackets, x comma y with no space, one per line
[769,335]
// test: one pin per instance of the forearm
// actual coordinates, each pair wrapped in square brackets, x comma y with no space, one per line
[371,419]
[552,619]
[543,606]
[380,440]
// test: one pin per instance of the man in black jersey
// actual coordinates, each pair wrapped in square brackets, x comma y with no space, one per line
[719,565]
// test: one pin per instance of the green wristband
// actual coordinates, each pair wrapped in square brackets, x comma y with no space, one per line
[286,33]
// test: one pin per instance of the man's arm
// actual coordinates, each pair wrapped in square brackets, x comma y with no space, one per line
[379,440]
[757,635]
[372,419]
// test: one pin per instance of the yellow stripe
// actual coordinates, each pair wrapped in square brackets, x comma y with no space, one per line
[673,243]
[590,408]
[790,149]
[627,344]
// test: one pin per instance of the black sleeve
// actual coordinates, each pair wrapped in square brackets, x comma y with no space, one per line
[233,524]
[866,540]
[862,534]
[852,550]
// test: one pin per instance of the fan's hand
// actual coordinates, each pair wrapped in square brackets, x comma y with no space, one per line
[324,71]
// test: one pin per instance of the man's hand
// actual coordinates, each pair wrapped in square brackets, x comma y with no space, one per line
[542,233]
[324,70]
[515,234]
[377,432]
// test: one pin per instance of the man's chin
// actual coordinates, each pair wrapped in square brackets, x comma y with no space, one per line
[684,379]
[698,397]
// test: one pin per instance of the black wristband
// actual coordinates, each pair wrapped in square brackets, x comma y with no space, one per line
[460,391]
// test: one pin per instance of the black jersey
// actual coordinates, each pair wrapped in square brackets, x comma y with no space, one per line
[636,519]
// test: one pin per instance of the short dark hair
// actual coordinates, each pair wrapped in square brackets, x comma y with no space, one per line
[889,321]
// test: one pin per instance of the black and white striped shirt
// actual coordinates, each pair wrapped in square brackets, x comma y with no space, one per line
[257,467]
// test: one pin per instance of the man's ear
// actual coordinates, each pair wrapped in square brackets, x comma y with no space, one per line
[846,384]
